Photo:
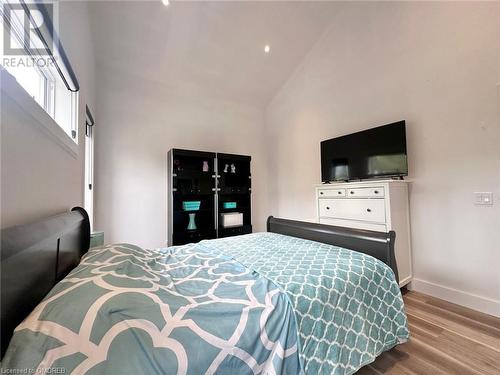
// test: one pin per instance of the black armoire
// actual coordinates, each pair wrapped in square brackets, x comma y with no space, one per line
[209,196]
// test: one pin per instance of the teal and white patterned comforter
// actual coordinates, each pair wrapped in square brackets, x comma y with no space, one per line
[227,306]
[348,305]
[181,310]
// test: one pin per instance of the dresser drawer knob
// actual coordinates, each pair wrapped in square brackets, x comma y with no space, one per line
[376,191]
[368,210]
[320,193]
[352,192]
[339,192]
[327,208]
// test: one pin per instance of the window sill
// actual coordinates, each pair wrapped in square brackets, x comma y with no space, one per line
[10,87]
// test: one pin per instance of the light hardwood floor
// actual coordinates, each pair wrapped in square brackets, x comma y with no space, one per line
[445,339]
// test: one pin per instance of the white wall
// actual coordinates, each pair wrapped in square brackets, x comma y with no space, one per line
[139,121]
[38,176]
[437,65]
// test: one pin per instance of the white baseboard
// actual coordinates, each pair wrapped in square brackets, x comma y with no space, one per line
[473,301]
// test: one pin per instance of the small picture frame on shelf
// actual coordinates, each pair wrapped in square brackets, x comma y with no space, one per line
[232,219]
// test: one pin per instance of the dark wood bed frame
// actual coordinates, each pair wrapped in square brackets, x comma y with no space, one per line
[379,245]
[34,257]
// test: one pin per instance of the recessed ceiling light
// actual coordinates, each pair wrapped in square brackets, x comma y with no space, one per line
[166,2]
[267,48]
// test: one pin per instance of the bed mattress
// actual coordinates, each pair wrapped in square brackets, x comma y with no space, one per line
[262,303]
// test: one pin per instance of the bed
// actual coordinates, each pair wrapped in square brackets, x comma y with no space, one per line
[289,301]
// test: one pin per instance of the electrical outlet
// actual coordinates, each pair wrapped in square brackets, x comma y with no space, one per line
[483,198]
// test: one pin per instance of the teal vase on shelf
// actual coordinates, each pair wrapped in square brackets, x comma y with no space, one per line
[192,223]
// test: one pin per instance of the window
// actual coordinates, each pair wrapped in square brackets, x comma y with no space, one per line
[36,59]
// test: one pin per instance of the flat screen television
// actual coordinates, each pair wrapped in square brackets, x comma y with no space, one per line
[373,153]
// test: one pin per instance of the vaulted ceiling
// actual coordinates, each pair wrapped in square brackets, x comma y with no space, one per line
[214,46]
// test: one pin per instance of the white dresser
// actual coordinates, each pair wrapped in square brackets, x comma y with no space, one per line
[373,205]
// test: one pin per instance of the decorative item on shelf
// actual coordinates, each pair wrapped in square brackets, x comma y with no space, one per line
[226,168]
[192,223]
[191,205]
[233,168]
[177,165]
[206,168]
[195,187]
[232,219]
[229,205]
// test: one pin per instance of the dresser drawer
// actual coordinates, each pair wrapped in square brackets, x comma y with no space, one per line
[371,192]
[324,193]
[372,210]
[354,224]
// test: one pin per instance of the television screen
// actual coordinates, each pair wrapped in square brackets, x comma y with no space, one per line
[372,153]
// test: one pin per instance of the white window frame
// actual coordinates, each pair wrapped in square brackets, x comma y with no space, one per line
[12,90]
[44,112]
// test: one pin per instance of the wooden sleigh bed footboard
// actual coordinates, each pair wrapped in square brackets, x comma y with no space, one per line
[379,245]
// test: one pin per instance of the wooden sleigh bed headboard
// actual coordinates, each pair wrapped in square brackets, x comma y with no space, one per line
[379,245]
[34,257]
